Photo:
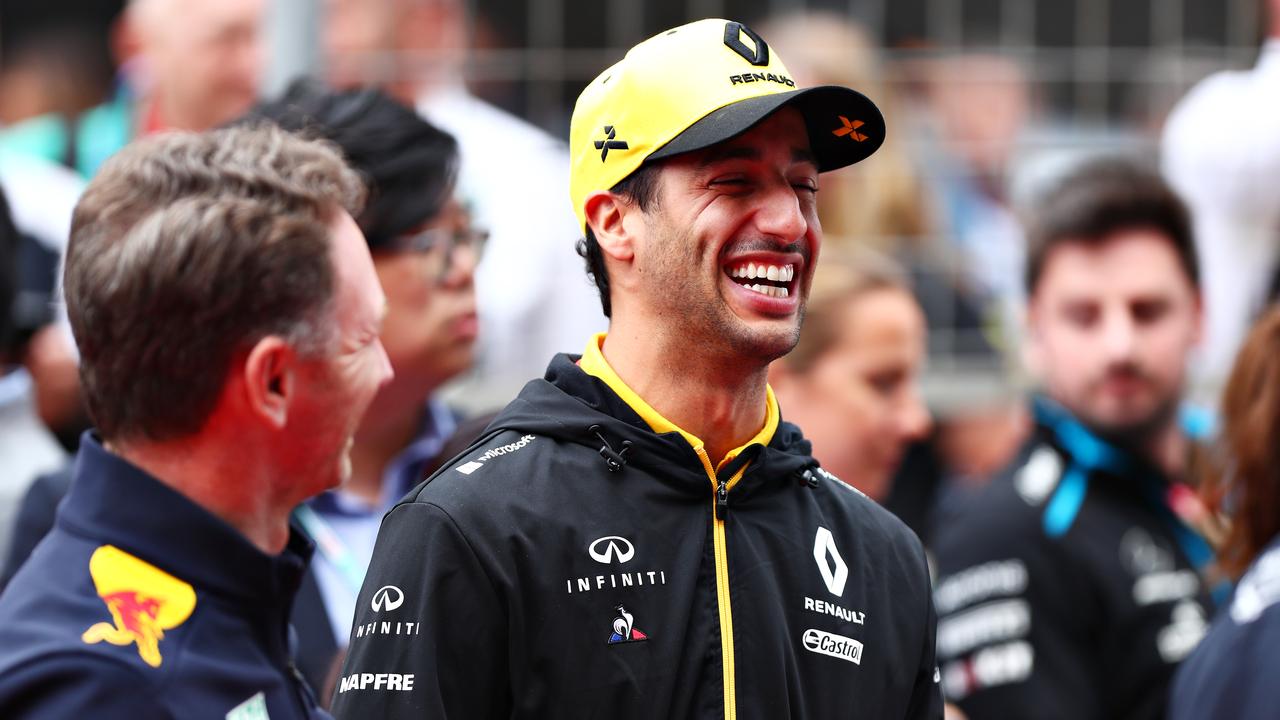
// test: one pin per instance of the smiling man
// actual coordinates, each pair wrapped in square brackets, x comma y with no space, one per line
[1069,587]
[639,534]
[227,314]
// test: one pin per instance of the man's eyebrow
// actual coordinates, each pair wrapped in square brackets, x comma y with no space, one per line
[745,152]
[739,152]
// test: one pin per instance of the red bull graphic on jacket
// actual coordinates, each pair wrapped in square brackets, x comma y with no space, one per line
[144,601]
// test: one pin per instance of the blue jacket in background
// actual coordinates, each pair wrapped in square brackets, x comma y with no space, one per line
[141,604]
[1232,674]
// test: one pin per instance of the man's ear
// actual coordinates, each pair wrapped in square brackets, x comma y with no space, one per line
[270,371]
[606,215]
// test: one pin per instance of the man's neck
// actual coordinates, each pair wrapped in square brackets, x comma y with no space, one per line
[211,478]
[1163,445]
[382,436]
[1168,449]
[722,404]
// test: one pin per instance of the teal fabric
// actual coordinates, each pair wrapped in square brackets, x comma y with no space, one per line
[99,133]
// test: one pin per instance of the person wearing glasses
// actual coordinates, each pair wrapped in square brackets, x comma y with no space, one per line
[424,251]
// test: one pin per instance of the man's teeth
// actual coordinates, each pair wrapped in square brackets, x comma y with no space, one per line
[777,273]
[779,292]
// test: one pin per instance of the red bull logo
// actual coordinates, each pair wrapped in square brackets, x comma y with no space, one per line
[143,600]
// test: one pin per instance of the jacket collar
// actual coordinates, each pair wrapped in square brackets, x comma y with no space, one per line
[570,405]
[113,502]
[594,363]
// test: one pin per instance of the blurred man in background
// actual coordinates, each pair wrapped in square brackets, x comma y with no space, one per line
[533,300]
[184,65]
[56,61]
[1071,587]
[227,314]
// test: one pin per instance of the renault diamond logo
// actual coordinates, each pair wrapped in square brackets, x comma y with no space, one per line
[758,55]
[612,548]
[387,598]
[835,573]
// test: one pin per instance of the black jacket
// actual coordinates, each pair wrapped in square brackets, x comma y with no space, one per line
[1068,588]
[570,564]
[140,604]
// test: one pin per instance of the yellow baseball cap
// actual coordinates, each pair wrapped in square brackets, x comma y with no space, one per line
[695,86]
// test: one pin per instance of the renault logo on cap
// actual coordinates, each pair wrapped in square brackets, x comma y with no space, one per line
[733,32]
[387,598]
[612,548]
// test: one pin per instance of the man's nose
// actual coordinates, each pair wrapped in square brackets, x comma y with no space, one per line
[1118,335]
[781,215]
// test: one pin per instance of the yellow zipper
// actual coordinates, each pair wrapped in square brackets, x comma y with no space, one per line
[722,584]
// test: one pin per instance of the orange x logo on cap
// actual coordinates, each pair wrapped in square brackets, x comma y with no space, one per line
[850,129]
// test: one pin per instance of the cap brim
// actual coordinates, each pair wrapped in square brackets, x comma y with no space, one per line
[844,126]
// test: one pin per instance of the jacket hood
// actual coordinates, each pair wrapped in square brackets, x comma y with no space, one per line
[569,405]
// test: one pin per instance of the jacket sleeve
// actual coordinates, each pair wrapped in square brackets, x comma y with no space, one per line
[926,693]
[429,635]
[82,686]
[1013,636]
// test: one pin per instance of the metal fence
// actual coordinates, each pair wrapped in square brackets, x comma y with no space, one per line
[1101,74]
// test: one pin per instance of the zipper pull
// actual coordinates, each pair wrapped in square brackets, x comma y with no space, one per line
[722,500]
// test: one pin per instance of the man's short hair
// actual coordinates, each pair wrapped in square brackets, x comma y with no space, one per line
[641,188]
[188,248]
[1099,198]
[409,165]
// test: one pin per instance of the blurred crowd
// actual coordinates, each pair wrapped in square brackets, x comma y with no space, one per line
[981,303]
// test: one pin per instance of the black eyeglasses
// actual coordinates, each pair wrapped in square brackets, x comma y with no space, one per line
[443,242]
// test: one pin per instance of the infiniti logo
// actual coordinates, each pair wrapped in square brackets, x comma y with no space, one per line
[611,548]
[387,598]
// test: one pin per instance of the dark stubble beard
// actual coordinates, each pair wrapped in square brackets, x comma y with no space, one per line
[1136,435]
[700,316]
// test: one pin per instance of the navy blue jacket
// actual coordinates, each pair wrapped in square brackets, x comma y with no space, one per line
[141,604]
[316,646]
[1232,674]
